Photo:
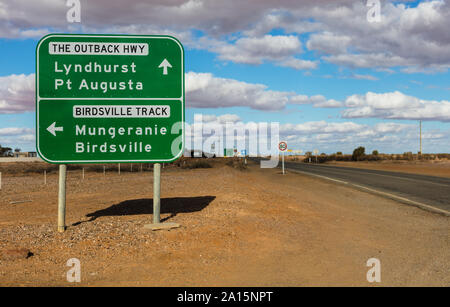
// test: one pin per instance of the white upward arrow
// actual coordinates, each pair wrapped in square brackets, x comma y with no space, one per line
[164,64]
[52,129]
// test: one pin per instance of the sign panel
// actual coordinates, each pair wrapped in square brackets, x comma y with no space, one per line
[282,146]
[228,152]
[109,98]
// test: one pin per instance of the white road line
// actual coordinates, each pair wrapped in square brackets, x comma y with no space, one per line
[328,178]
[373,173]
[418,204]
[389,195]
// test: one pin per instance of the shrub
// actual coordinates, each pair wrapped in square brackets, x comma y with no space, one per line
[358,153]
[375,152]
[197,164]
[408,156]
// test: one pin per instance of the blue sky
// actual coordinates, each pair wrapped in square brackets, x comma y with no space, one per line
[332,79]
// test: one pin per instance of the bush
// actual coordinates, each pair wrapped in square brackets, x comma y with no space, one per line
[408,156]
[197,164]
[236,163]
[358,153]
[375,152]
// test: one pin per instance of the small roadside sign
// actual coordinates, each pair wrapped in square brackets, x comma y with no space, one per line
[282,146]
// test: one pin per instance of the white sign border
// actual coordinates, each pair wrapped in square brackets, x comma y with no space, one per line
[90,98]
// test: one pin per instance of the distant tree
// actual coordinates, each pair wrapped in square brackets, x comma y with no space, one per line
[308,153]
[358,153]
[17,150]
[375,152]
[339,153]
[323,154]
[5,151]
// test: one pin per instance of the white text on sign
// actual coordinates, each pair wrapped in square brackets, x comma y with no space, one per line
[80,48]
[121,111]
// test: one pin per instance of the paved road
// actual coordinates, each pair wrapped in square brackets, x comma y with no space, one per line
[421,189]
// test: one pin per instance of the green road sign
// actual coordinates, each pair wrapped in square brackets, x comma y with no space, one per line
[109,98]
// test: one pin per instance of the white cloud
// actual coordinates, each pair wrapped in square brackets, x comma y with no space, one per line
[17,93]
[317,101]
[363,77]
[395,105]
[327,42]
[9,131]
[279,49]
[17,137]
[222,119]
[203,90]
[415,38]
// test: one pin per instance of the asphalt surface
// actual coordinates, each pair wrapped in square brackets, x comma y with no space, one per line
[419,190]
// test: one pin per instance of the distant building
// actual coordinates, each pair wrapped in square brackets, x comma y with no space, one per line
[25,154]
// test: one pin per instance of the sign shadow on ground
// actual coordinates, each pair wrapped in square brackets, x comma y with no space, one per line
[172,205]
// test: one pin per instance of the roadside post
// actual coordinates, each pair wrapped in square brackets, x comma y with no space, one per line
[282,146]
[109,99]
[244,154]
[0,180]
[316,151]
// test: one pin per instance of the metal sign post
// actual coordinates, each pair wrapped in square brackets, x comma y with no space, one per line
[156,193]
[62,198]
[157,225]
[109,99]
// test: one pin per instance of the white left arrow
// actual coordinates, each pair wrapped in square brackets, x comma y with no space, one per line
[52,128]
[164,64]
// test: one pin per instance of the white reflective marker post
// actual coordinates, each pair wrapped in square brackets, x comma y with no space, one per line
[62,198]
[282,160]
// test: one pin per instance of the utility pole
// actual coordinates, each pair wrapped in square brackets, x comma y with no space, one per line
[420,136]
